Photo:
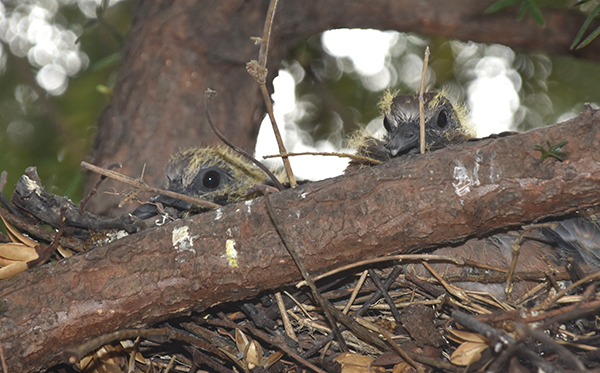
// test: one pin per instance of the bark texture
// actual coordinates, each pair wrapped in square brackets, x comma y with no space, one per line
[177,49]
[398,207]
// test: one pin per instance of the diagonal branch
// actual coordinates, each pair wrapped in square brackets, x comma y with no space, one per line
[398,207]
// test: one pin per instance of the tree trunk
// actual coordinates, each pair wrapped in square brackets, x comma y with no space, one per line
[399,207]
[177,49]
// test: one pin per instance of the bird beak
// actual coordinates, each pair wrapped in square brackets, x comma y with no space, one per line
[403,139]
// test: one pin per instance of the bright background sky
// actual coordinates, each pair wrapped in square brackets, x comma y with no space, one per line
[493,98]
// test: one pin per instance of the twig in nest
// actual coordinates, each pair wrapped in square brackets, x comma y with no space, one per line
[276,341]
[143,187]
[386,296]
[94,190]
[551,301]
[454,290]
[73,356]
[289,329]
[543,338]
[45,251]
[341,155]
[258,70]
[421,103]
[516,246]
[500,341]
[300,264]
[208,95]
[374,298]
[407,257]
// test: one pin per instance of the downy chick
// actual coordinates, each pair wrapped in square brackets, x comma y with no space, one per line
[215,174]
[443,126]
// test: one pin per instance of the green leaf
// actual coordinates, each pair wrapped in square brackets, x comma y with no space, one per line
[579,3]
[499,5]
[585,25]
[589,39]
[553,151]
[535,12]
[110,60]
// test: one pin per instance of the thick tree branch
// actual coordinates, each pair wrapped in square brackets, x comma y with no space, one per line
[400,206]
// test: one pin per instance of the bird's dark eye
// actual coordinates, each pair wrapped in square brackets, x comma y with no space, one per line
[386,124]
[211,180]
[442,119]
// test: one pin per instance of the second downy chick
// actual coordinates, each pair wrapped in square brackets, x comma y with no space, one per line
[444,125]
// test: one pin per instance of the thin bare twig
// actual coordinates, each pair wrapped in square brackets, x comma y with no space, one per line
[516,247]
[311,284]
[421,104]
[289,329]
[259,71]
[94,190]
[408,257]
[386,296]
[341,155]
[400,351]
[143,187]
[208,95]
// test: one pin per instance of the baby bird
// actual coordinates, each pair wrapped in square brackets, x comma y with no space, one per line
[443,126]
[215,174]
[401,121]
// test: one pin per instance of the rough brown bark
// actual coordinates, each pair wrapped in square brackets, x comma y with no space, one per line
[400,206]
[179,48]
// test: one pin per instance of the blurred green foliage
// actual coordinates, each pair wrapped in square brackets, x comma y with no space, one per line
[62,127]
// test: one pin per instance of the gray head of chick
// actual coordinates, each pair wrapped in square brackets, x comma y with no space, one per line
[215,174]
[442,123]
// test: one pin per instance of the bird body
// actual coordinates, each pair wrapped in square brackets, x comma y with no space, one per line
[542,250]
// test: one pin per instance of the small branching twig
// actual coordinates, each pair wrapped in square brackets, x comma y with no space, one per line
[500,341]
[143,187]
[258,70]
[516,247]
